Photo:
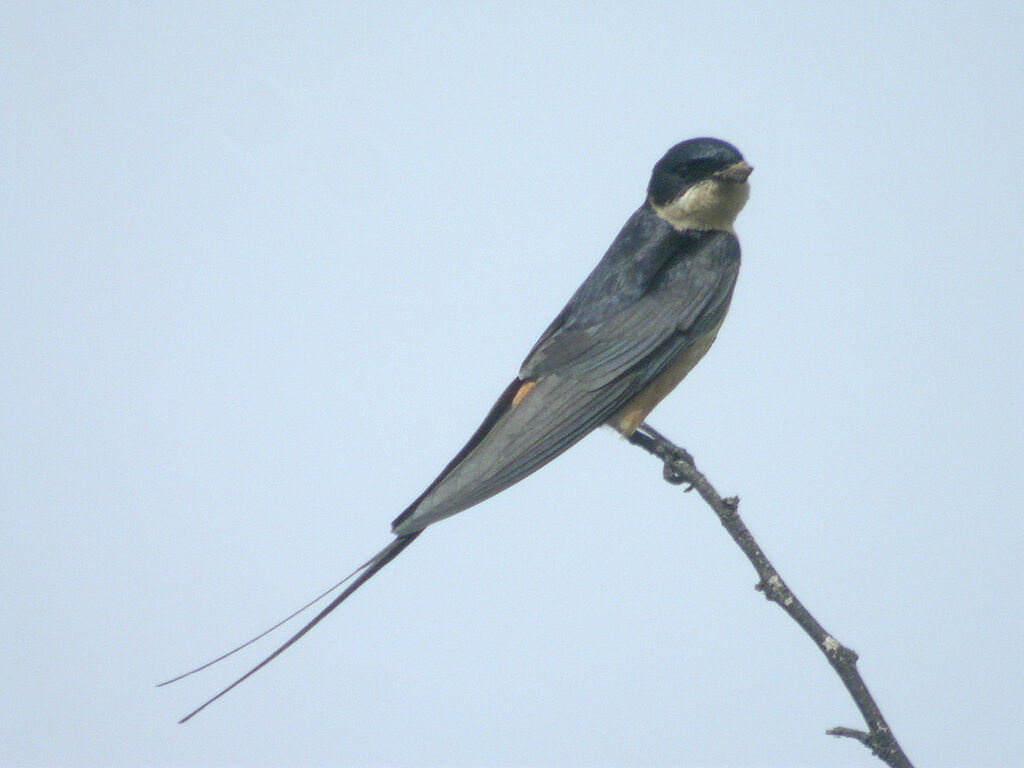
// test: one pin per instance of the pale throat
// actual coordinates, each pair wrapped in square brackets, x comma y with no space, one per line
[710,204]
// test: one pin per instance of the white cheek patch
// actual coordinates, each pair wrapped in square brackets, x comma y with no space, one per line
[711,204]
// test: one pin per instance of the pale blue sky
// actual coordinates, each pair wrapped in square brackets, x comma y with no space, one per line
[265,268]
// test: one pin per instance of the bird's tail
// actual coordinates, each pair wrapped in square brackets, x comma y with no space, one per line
[365,573]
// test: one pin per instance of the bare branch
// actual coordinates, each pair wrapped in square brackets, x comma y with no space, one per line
[680,469]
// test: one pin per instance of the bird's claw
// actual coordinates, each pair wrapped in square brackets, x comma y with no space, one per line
[676,476]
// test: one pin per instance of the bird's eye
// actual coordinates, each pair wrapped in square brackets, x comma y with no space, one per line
[694,170]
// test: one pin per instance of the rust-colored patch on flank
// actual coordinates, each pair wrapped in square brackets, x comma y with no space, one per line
[522,392]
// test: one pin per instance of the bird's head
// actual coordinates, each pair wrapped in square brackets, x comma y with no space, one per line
[700,184]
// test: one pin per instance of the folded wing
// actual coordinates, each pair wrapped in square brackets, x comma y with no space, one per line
[585,368]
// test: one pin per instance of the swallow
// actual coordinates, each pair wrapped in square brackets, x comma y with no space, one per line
[637,325]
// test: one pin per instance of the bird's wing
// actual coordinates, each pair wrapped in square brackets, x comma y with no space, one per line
[579,375]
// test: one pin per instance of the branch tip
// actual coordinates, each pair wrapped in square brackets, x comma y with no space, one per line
[679,468]
[841,732]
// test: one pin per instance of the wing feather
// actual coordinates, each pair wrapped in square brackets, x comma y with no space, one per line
[593,360]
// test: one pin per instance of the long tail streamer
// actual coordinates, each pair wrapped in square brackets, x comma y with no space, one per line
[365,572]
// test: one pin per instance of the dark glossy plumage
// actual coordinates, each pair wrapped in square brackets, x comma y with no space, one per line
[653,293]
[687,163]
[633,329]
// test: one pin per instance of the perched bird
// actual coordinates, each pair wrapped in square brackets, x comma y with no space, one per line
[635,327]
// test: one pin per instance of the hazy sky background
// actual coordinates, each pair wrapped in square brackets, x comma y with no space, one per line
[265,268]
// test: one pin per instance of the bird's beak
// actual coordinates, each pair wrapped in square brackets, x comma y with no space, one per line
[737,172]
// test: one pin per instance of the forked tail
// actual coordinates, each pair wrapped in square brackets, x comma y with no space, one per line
[366,572]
